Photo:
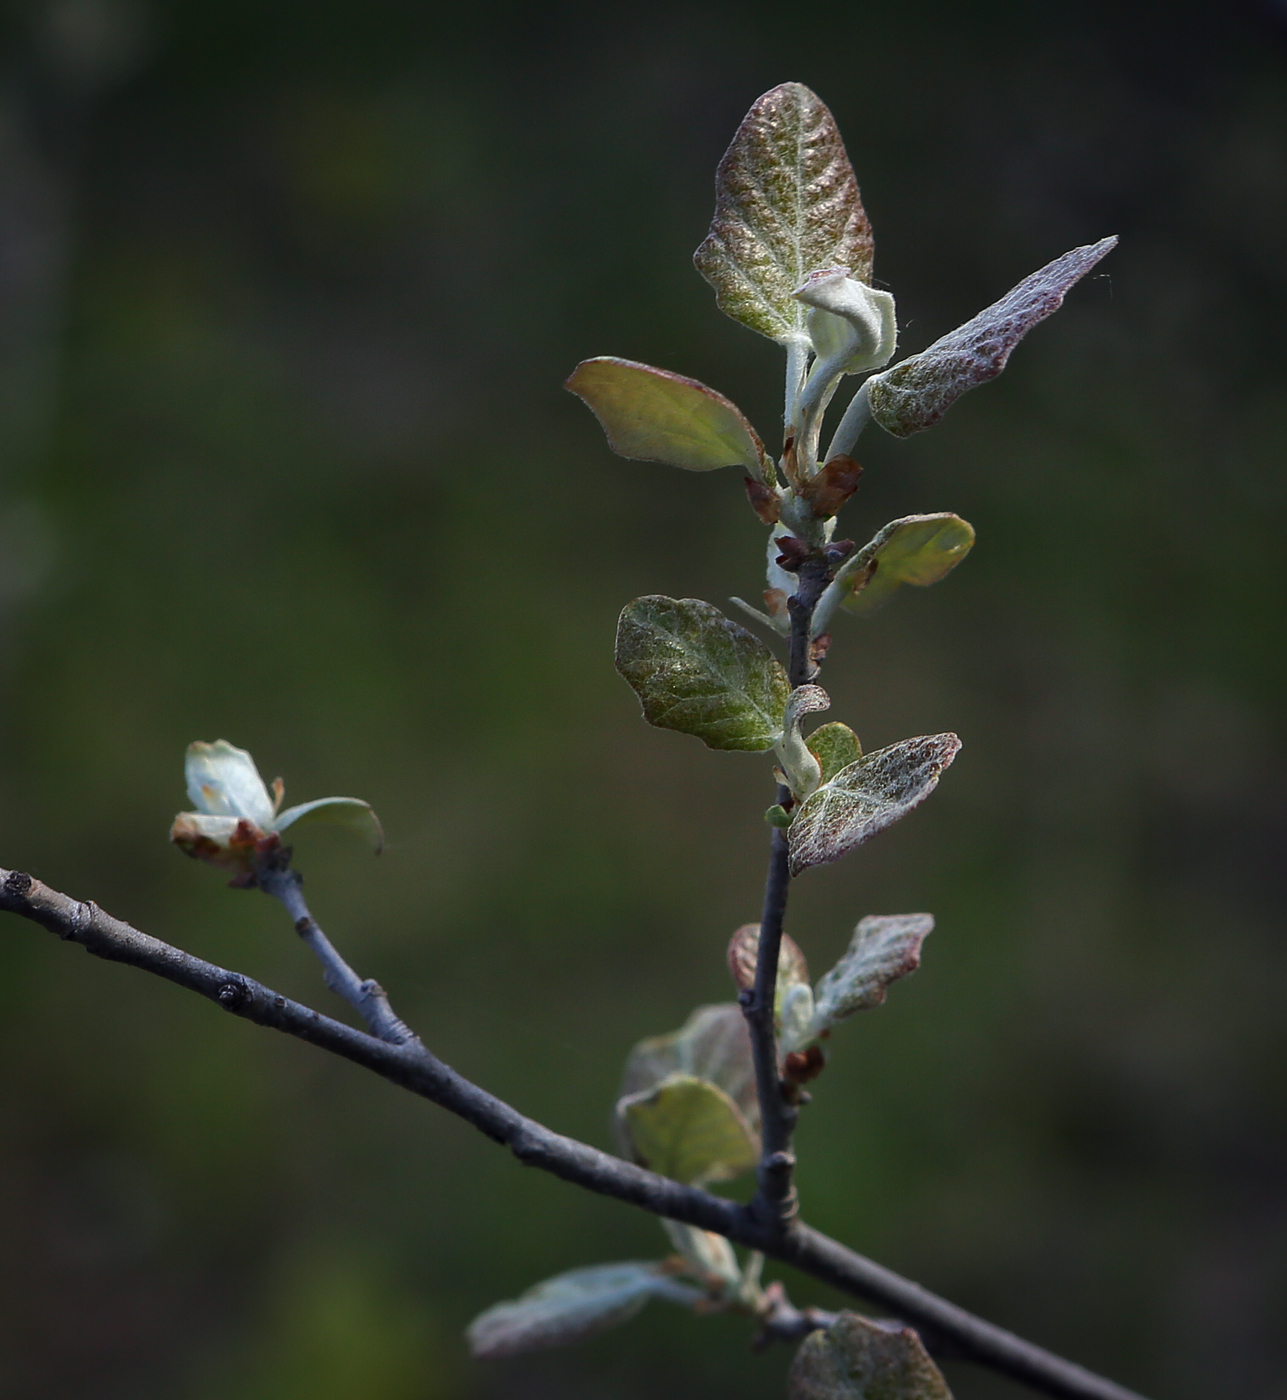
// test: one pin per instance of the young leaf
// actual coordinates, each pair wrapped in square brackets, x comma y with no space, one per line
[350,812]
[744,957]
[567,1308]
[695,671]
[883,949]
[918,549]
[866,797]
[786,204]
[688,1129]
[857,1359]
[835,746]
[709,1256]
[653,415]
[803,771]
[918,391]
[712,1044]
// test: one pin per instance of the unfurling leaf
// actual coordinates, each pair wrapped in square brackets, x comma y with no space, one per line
[350,812]
[696,671]
[712,1044]
[786,204]
[835,746]
[688,1129]
[884,948]
[917,392]
[653,415]
[567,1308]
[709,1257]
[857,1359]
[801,769]
[866,797]
[918,549]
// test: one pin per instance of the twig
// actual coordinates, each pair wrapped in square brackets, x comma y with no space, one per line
[412,1067]
[366,996]
[776,1202]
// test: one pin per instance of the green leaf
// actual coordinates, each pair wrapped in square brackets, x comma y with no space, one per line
[695,671]
[712,1044]
[835,746]
[917,392]
[857,1359]
[866,797]
[653,415]
[884,948]
[709,1257]
[567,1308]
[786,205]
[918,549]
[688,1129]
[350,812]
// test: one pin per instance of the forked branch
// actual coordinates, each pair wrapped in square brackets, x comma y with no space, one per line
[949,1329]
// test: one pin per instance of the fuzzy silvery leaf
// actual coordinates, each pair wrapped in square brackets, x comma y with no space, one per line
[709,1256]
[696,671]
[688,1129]
[786,204]
[835,746]
[795,1019]
[712,1044]
[917,392]
[349,812]
[744,958]
[866,797]
[884,948]
[852,326]
[567,1308]
[918,549]
[652,415]
[857,1359]
[223,781]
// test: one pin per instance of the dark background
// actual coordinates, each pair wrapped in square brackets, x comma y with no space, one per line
[287,292]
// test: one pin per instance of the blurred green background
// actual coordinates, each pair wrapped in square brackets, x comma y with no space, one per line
[287,292]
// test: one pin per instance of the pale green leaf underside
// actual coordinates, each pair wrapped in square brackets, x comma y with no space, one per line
[786,205]
[867,797]
[652,415]
[350,812]
[696,671]
[884,948]
[919,549]
[835,746]
[689,1130]
[564,1309]
[712,1044]
[917,392]
[857,1359]
[708,1255]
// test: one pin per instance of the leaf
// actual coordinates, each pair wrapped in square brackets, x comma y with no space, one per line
[918,549]
[866,797]
[696,671]
[857,1359]
[709,1256]
[786,204]
[567,1308]
[884,948]
[223,781]
[689,1130]
[917,392]
[743,958]
[712,1044]
[835,746]
[350,812]
[653,415]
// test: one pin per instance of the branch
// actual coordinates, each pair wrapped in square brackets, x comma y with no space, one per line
[367,997]
[412,1067]
[776,1203]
